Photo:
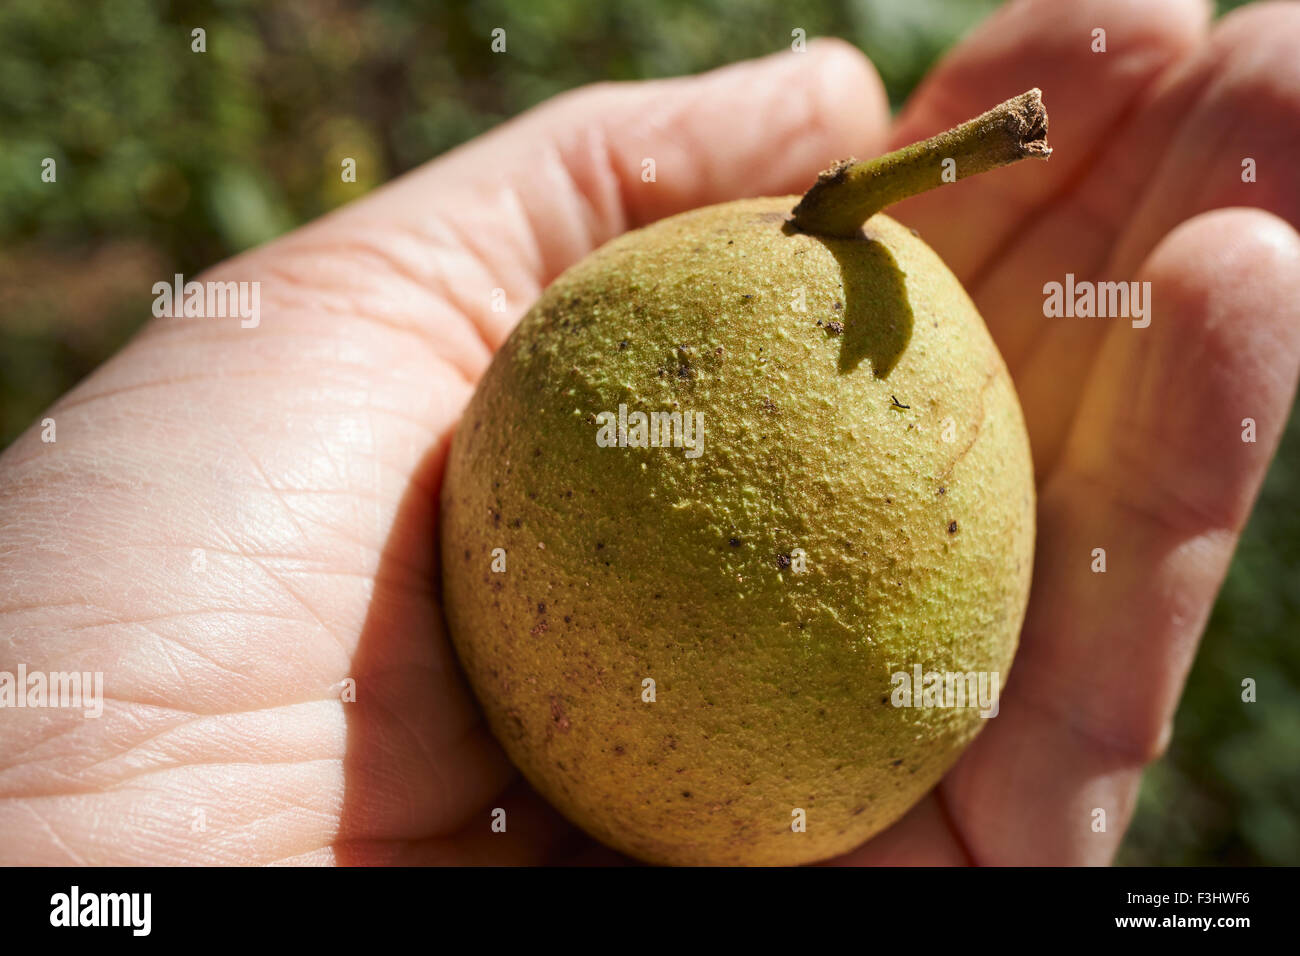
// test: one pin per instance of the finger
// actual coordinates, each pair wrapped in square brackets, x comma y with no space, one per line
[1248,107]
[534,834]
[1156,473]
[924,837]
[1178,155]
[1050,45]
[760,127]
[512,209]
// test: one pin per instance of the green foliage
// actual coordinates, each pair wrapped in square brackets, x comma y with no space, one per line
[169,161]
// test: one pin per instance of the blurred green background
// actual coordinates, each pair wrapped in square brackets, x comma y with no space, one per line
[169,161]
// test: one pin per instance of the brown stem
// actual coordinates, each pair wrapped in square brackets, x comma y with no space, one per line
[851,192]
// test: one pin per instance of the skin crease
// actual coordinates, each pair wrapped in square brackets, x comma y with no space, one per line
[304,457]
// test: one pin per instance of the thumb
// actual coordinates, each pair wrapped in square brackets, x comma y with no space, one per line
[513,208]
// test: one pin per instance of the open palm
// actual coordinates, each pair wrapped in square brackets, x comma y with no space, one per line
[238,526]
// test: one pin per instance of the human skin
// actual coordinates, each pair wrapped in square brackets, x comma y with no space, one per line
[303,457]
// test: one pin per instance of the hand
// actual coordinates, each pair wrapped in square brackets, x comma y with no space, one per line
[233,522]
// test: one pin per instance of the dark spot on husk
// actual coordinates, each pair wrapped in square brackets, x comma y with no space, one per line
[558,716]
[952,527]
[783,561]
[734,542]
[834,328]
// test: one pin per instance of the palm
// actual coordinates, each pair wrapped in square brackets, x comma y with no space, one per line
[304,458]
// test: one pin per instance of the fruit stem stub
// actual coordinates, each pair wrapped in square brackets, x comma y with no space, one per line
[851,192]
